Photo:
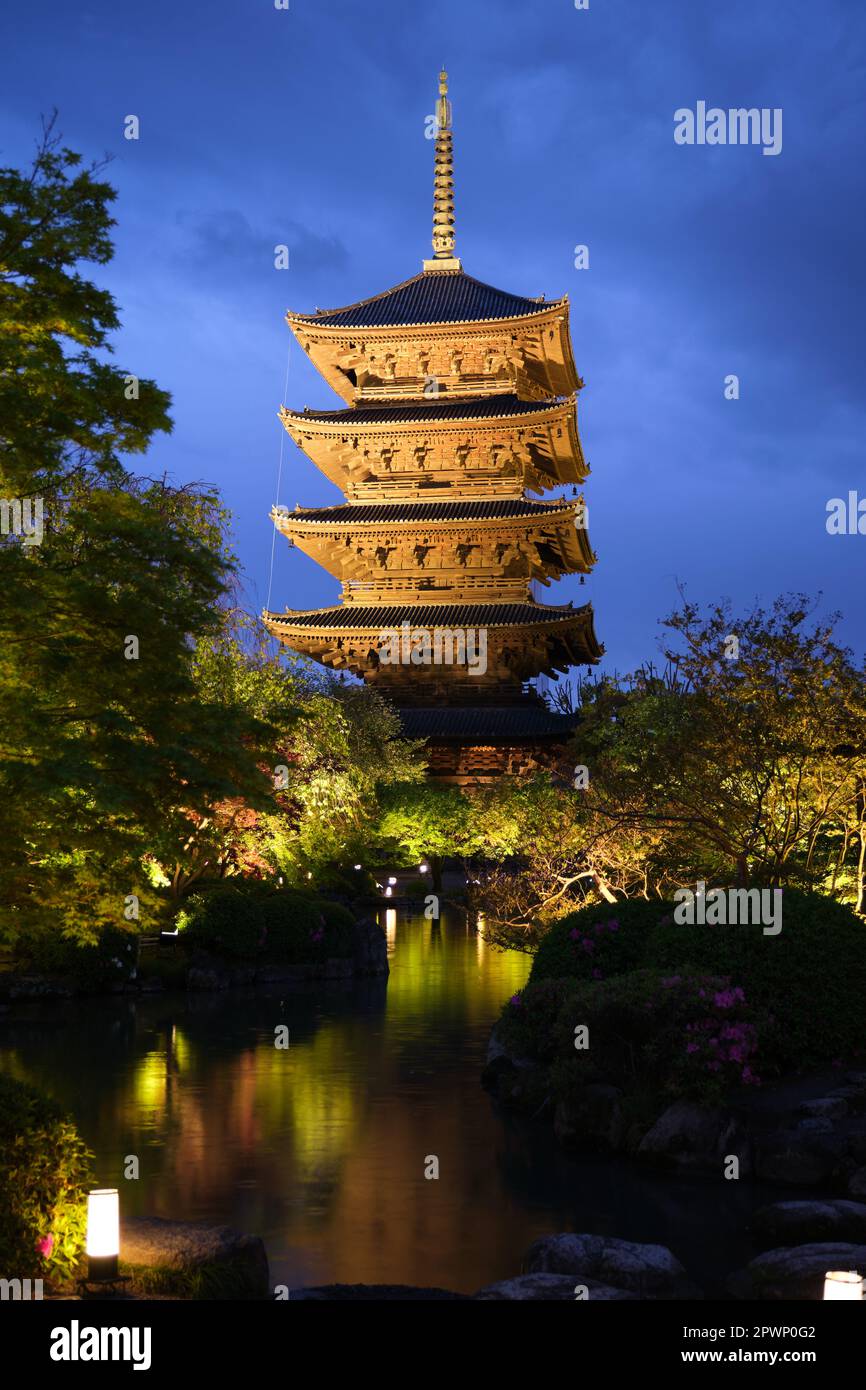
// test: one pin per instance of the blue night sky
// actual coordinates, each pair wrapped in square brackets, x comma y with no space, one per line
[306,127]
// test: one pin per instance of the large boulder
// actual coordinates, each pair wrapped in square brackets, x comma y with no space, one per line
[371,949]
[800,1223]
[193,1259]
[551,1288]
[857,1183]
[647,1271]
[797,1272]
[799,1157]
[591,1119]
[687,1136]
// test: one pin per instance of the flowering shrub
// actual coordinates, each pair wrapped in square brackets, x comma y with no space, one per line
[598,941]
[44,1176]
[810,978]
[658,1036]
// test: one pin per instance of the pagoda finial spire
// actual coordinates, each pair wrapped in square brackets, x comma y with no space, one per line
[443,186]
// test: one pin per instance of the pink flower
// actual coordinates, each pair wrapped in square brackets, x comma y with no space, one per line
[45,1246]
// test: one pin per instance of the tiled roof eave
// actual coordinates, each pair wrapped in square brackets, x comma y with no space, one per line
[449,325]
[339,421]
[341,620]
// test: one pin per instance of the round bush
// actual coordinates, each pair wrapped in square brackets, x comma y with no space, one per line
[44,1176]
[691,1034]
[597,941]
[227,923]
[113,959]
[811,977]
[301,928]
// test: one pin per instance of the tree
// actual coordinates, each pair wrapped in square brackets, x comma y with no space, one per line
[103,734]
[747,752]
[65,412]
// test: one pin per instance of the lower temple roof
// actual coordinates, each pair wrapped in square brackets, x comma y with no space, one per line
[431,615]
[486,722]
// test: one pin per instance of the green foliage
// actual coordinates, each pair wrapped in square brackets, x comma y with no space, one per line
[44,1176]
[253,922]
[227,922]
[111,959]
[809,980]
[811,977]
[745,759]
[301,929]
[102,748]
[64,410]
[600,940]
[656,1037]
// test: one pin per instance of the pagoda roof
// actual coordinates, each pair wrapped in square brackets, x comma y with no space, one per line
[433,615]
[486,722]
[433,296]
[412,512]
[481,408]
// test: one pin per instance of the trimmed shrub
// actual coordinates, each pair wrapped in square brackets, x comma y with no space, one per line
[302,929]
[598,941]
[112,960]
[44,1176]
[285,924]
[811,977]
[653,1035]
[227,923]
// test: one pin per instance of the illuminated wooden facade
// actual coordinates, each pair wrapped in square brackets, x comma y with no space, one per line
[460,401]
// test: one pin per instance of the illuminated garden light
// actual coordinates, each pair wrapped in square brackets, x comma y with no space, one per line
[103,1234]
[842,1285]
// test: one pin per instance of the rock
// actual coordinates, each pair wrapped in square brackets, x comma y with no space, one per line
[206,977]
[234,1265]
[827,1108]
[798,1223]
[687,1136]
[857,1183]
[372,1293]
[371,949]
[856,1141]
[816,1126]
[38,986]
[853,1097]
[647,1271]
[797,1272]
[592,1119]
[551,1288]
[802,1159]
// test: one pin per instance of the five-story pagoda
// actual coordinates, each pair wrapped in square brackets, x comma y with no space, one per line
[460,399]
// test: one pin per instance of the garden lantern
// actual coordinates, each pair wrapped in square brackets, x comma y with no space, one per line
[103,1234]
[842,1284]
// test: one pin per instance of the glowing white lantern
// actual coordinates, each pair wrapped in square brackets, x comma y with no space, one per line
[842,1284]
[103,1233]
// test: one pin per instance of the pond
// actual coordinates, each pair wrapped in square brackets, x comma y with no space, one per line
[321,1148]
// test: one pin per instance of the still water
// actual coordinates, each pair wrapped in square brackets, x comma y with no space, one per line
[321,1148]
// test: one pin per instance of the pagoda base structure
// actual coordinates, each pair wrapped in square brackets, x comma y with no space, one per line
[480,743]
